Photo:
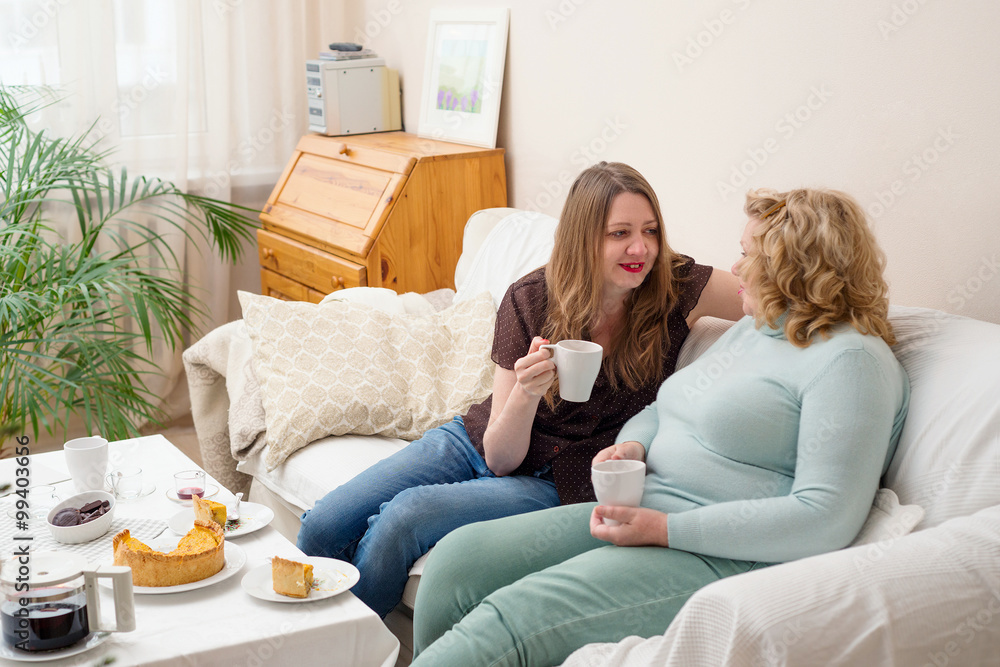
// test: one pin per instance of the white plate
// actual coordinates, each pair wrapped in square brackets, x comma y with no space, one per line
[172,495]
[253,516]
[236,558]
[330,577]
[93,641]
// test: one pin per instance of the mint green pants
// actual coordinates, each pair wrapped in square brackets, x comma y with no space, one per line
[531,589]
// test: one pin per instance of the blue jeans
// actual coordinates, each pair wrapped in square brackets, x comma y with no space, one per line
[388,516]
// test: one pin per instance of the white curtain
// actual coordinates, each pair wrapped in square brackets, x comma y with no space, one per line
[208,94]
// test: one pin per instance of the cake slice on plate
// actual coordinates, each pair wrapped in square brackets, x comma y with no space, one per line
[291,578]
[209,510]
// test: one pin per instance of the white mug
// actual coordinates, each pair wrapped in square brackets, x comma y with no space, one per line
[618,482]
[87,462]
[578,363]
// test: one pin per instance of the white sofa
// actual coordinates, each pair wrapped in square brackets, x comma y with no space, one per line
[930,597]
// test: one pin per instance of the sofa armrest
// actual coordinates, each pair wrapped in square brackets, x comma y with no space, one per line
[931,597]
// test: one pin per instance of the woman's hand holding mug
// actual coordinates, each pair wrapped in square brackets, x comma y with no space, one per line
[535,371]
[629,526]
[631,450]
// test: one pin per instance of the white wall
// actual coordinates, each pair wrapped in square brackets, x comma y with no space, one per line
[896,103]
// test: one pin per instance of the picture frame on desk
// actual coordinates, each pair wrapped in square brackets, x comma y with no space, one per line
[463,75]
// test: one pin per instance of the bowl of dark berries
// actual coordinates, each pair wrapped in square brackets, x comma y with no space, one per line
[82,518]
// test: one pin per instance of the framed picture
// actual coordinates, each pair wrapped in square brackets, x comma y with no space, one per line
[463,75]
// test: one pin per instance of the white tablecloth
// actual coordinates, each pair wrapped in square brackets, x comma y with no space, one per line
[221,624]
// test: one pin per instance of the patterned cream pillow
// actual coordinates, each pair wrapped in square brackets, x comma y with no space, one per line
[344,367]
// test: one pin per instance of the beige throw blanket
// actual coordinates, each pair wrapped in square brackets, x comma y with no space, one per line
[226,403]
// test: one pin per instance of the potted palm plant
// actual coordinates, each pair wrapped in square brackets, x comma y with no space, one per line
[79,313]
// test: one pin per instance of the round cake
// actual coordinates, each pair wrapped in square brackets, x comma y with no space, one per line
[199,555]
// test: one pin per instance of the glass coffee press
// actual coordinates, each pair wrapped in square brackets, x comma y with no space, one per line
[51,600]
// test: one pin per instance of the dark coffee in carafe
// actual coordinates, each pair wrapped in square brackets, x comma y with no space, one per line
[44,626]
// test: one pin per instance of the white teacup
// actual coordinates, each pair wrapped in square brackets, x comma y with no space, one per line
[578,363]
[87,462]
[618,482]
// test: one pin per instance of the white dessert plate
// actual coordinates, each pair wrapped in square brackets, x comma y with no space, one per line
[330,577]
[172,495]
[236,558]
[253,516]
[93,641]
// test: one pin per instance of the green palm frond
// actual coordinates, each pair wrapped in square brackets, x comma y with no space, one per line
[79,317]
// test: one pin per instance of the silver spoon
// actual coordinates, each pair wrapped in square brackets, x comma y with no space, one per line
[235,513]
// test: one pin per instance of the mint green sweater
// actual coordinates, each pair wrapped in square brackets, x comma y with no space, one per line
[763,451]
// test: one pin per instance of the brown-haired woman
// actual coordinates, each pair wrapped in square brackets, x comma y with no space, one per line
[612,279]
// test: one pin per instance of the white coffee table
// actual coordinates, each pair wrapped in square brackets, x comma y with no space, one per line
[220,624]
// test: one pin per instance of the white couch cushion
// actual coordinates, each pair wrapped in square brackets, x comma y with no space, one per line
[518,244]
[948,458]
[311,472]
[343,367]
[477,229]
[703,335]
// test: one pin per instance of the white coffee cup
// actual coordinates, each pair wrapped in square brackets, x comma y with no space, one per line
[578,363]
[87,462]
[618,482]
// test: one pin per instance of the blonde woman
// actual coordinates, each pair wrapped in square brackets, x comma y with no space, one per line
[612,279]
[778,459]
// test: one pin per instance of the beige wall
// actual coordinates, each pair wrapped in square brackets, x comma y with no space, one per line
[894,101]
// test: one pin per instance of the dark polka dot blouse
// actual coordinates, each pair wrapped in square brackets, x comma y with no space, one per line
[568,437]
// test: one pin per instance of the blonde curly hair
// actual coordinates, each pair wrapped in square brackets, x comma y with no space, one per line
[814,256]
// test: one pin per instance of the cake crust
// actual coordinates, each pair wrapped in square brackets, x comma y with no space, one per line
[199,555]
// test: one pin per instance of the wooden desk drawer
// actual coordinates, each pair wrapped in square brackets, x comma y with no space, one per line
[316,269]
[279,287]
